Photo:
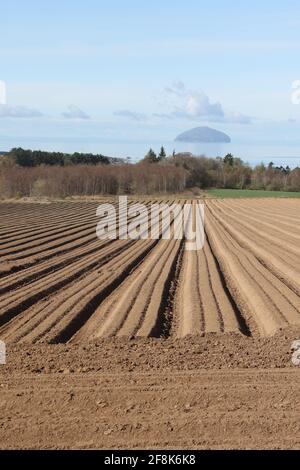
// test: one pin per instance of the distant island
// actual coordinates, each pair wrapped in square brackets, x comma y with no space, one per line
[203,134]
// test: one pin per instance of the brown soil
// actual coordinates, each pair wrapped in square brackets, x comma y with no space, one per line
[200,410]
[142,344]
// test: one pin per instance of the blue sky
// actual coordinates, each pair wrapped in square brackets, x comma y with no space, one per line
[143,70]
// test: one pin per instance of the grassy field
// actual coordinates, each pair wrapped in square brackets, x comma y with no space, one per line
[238,193]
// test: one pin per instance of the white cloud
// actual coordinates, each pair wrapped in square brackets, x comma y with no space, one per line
[197,106]
[177,89]
[74,112]
[7,111]
[237,118]
[180,103]
[138,117]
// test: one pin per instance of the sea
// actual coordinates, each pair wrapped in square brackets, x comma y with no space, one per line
[253,152]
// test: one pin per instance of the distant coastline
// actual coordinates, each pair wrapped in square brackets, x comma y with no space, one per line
[253,152]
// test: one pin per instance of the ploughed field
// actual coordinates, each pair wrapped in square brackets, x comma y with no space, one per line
[117,343]
[60,284]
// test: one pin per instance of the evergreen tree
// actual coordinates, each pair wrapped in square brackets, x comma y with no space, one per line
[229,159]
[162,154]
[151,157]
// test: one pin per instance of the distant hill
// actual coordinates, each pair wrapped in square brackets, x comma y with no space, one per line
[203,134]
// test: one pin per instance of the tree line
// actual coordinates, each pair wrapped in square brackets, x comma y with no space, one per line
[232,173]
[33,158]
[155,174]
[87,180]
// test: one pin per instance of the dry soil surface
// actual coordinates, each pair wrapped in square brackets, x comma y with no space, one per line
[142,344]
[184,410]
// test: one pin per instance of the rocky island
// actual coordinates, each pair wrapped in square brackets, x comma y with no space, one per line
[203,134]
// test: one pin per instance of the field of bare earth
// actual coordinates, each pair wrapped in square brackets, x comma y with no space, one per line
[143,344]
